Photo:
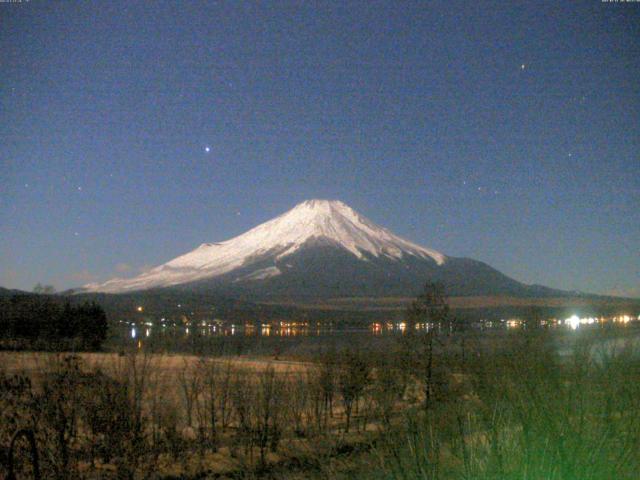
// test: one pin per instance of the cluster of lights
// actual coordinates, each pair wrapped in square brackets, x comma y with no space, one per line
[623,318]
[293,328]
[401,326]
[294,324]
[574,321]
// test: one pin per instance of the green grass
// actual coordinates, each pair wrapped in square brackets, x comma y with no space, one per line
[525,413]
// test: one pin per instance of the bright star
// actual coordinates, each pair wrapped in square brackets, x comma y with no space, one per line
[207,149]
[522,67]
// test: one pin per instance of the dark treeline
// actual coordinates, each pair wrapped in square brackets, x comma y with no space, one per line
[49,323]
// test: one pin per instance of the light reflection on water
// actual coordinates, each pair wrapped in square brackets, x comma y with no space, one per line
[218,328]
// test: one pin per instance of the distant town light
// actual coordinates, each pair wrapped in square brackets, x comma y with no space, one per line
[573,321]
[140,309]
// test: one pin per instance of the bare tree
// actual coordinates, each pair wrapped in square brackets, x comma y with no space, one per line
[429,310]
[133,373]
[189,387]
[299,396]
[353,377]
[269,405]
[388,388]
[242,400]
[44,289]
[326,377]
[224,396]
[207,402]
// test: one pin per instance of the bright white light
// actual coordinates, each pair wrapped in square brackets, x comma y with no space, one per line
[573,321]
[207,149]
[133,332]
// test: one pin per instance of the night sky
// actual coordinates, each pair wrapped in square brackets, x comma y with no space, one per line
[131,132]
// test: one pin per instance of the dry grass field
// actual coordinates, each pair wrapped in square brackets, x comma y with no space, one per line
[170,364]
[182,415]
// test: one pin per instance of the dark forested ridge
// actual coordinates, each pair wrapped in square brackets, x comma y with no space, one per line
[50,322]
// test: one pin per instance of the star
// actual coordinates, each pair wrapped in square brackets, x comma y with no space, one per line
[523,66]
[207,149]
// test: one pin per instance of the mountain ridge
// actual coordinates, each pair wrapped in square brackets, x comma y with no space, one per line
[320,248]
[325,220]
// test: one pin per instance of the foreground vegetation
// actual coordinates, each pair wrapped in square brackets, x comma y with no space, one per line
[521,412]
[436,406]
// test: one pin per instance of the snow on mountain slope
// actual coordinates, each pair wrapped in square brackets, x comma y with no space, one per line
[331,221]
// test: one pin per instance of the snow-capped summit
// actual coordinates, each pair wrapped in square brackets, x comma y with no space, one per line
[334,221]
[320,249]
[313,222]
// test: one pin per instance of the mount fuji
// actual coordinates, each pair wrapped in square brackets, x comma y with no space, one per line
[320,248]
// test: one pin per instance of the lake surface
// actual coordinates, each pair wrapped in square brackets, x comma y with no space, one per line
[148,330]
